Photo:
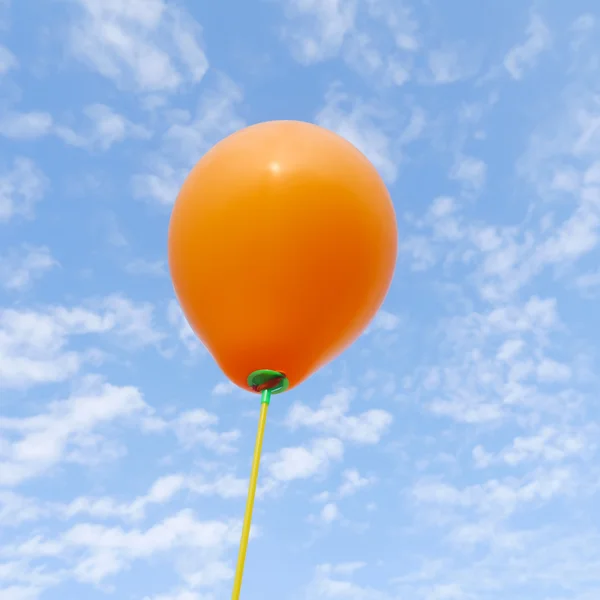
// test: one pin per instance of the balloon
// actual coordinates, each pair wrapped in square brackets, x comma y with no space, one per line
[282,247]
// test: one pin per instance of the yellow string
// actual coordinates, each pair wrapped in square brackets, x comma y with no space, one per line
[239,571]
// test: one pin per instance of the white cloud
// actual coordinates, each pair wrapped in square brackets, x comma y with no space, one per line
[441,224]
[589,282]
[142,266]
[552,370]
[384,322]
[470,172]
[21,187]
[133,323]
[145,45]
[361,125]
[68,430]
[524,56]
[549,444]
[19,268]
[162,185]
[541,558]
[8,60]
[535,313]
[34,344]
[335,581]
[332,417]
[498,365]
[299,462]
[377,43]
[178,595]
[320,27]
[185,333]
[451,64]
[223,389]
[161,492]
[508,258]
[482,458]
[353,482]
[15,592]
[216,117]
[329,513]
[25,126]
[195,427]
[363,53]
[16,509]
[400,20]
[420,251]
[497,498]
[106,128]
[95,552]
[187,138]
[225,486]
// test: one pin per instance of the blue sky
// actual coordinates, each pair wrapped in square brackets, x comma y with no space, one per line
[450,454]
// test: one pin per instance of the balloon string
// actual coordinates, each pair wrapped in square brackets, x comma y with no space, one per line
[239,571]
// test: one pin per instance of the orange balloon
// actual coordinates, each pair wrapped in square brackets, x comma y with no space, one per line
[282,247]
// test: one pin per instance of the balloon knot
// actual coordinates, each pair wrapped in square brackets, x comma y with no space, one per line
[268,380]
[268,385]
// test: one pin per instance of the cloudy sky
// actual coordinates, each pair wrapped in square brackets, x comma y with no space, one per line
[451,453]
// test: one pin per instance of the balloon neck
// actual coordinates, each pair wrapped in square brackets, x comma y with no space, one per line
[266,380]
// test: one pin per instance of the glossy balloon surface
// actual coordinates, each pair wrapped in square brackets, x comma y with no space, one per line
[282,246]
